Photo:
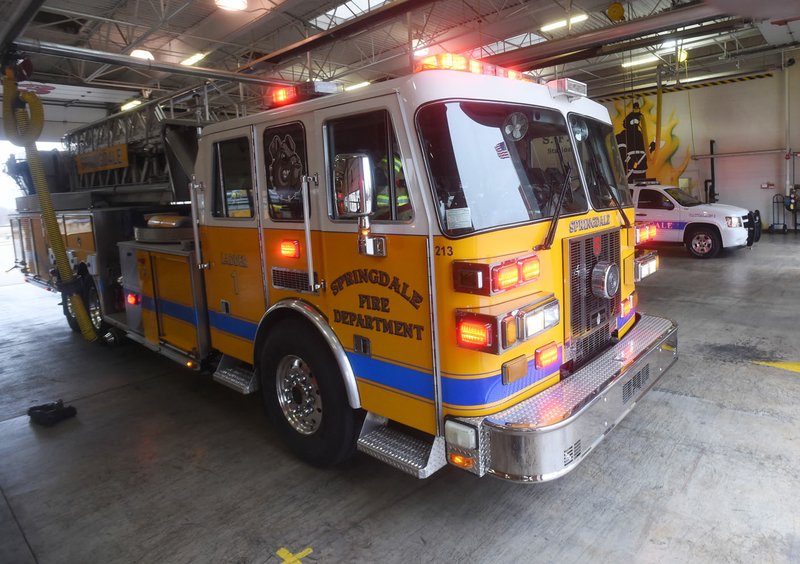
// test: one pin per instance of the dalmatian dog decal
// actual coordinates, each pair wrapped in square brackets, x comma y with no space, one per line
[285,170]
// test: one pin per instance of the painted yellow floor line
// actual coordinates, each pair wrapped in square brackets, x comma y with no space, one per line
[289,558]
[793,366]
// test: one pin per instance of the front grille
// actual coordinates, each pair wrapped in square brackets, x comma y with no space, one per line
[592,318]
[291,279]
[572,453]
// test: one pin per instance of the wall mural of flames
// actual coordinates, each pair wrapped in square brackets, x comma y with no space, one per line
[635,125]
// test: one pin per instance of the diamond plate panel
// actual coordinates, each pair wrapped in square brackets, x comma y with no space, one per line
[412,455]
[243,381]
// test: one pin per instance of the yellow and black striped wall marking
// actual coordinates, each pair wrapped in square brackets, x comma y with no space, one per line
[680,87]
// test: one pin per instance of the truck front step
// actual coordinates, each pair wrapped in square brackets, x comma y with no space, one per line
[412,455]
[233,374]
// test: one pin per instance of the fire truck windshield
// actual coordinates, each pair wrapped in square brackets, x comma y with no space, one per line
[494,164]
[602,165]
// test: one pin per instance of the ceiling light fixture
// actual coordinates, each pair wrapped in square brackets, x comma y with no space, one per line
[419,48]
[196,58]
[646,60]
[231,5]
[563,23]
[356,86]
[142,54]
[130,105]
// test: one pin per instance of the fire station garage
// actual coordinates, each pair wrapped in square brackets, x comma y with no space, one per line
[303,281]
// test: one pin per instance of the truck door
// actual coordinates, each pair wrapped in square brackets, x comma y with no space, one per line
[655,206]
[230,244]
[378,304]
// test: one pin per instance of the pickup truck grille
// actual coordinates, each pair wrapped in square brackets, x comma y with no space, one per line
[592,319]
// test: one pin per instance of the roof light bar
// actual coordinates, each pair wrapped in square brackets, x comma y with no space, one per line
[568,87]
[453,61]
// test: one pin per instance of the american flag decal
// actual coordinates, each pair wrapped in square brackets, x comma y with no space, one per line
[502,152]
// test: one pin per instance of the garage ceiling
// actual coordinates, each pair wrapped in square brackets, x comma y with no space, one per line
[369,40]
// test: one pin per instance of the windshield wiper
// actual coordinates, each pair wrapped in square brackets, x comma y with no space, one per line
[551,233]
[599,180]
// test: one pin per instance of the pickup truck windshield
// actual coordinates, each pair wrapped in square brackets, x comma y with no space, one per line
[683,198]
[597,147]
[497,164]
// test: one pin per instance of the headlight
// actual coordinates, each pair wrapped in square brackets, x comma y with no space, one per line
[735,221]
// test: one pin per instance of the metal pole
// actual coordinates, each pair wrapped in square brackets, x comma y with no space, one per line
[72,52]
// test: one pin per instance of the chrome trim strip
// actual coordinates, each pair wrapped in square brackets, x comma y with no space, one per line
[321,324]
[307,229]
[259,211]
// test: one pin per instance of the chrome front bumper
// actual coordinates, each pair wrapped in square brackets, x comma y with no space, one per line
[547,435]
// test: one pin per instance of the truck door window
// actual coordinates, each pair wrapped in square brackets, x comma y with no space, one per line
[285,156]
[233,180]
[653,200]
[372,133]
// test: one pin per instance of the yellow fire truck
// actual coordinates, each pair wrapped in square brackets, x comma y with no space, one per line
[435,269]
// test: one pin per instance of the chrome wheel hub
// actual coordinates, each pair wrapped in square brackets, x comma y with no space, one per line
[298,395]
[702,243]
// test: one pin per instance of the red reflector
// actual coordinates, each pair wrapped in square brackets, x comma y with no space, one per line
[290,249]
[529,269]
[546,355]
[505,277]
[133,299]
[474,334]
[284,95]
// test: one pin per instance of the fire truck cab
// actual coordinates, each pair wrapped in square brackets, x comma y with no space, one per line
[435,269]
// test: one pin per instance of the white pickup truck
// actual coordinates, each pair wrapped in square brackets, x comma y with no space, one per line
[705,229]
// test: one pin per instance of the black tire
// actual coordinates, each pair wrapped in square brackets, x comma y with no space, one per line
[91,300]
[305,396]
[703,242]
[757,226]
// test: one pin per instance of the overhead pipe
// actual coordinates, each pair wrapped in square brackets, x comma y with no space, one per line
[81,53]
[16,22]
[341,31]
[527,58]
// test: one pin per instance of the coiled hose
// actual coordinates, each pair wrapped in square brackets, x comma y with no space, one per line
[23,132]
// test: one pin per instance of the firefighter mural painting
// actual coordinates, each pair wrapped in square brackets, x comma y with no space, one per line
[643,155]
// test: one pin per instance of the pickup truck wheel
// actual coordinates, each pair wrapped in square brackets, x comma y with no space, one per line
[305,397]
[703,242]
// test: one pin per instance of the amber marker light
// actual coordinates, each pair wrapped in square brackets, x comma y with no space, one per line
[529,269]
[505,277]
[290,249]
[546,355]
[461,461]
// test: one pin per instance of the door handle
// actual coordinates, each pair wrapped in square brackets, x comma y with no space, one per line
[641,215]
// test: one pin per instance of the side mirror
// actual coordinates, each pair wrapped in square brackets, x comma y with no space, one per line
[353,184]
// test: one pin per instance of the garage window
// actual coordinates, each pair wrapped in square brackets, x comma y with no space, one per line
[233,180]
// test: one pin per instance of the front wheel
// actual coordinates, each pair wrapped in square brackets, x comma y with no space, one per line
[703,242]
[305,396]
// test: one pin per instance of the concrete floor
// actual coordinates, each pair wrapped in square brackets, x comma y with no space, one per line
[163,466]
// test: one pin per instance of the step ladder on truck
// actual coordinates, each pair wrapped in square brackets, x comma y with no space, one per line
[427,277]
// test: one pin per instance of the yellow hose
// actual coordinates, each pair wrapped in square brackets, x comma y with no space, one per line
[23,132]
